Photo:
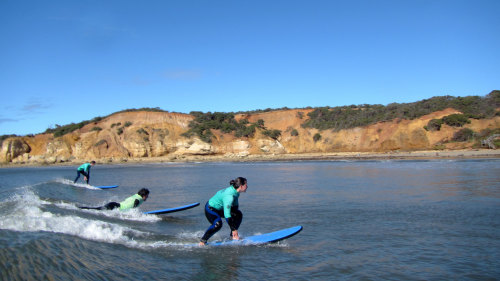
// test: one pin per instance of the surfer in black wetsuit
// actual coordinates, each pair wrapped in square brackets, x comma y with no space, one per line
[224,204]
[131,202]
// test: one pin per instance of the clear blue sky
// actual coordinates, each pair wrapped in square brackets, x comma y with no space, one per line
[70,61]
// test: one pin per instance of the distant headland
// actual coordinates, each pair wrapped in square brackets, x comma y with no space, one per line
[445,126]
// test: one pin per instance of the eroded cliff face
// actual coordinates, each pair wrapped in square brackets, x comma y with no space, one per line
[158,134]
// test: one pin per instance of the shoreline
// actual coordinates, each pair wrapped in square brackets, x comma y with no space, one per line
[333,156]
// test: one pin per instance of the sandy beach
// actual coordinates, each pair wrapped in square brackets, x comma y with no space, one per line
[431,154]
[407,155]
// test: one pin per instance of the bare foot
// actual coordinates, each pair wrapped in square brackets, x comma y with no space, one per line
[235,234]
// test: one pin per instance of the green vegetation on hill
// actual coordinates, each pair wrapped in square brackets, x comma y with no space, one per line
[204,123]
[323,118]
[456,120]
[225,122]
[453,120]
[62,130]
[274,134]
[150,109]
[263,110]
[480,139]
[66,129]
[346,117]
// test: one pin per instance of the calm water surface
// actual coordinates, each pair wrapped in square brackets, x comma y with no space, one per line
[363,220]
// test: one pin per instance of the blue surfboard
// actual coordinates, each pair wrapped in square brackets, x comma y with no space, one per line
[171,210]
[107,186]
[271,237]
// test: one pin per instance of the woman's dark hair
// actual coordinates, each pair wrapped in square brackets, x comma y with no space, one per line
[239,181]
[143,192]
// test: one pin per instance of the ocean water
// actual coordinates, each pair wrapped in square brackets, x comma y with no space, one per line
[363,220]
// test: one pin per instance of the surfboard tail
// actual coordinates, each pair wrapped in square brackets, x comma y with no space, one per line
[271,237]
[172,210]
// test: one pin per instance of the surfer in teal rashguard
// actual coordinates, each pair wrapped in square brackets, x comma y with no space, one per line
[224,204]
[84,169]
[131,202]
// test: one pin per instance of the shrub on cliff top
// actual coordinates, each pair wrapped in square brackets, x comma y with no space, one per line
[142,131]
[317,137]
[346,117]
[150,109]
[464,134]
[434,125]
[456,120]
[274,134]
[203,123]
[62,130]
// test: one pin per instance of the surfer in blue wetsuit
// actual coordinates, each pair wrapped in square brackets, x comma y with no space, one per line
[224,204]
[84,169]
[131,202]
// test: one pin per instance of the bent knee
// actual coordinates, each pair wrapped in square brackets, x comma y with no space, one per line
[218,225]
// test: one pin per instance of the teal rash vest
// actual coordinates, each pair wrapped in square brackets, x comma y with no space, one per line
[129,202]
[225,199]
[84,167]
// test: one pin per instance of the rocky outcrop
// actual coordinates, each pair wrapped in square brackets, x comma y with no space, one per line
[121,136]
[13,148]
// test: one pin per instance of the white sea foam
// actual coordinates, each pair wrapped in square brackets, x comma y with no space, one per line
[27,215]
[191,235]
[77,184]
[130,215]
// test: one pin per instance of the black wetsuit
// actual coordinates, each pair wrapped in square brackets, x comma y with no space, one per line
[109,206]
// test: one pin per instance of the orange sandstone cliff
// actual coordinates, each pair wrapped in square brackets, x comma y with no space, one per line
[158,135]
